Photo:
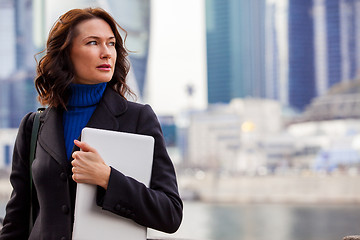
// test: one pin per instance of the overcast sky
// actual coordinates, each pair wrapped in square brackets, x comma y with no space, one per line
[177,56]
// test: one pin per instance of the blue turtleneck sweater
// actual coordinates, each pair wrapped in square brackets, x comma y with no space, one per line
[82,103]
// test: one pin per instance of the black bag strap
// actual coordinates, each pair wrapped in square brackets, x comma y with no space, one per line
[33,141]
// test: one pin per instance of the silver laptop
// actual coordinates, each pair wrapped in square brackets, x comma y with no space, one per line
[131,154]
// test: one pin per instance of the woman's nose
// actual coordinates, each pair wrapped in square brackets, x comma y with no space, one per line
[105,52]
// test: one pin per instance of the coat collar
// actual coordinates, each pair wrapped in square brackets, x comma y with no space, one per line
[51,133]
[110,107]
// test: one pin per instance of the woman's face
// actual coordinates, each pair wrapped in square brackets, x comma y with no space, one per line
[93,52]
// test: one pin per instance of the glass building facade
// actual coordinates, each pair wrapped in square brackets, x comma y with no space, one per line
[301,54]
[276,51]
[319,48]
[218,51]
[272,54]
[339,45]
[343,38]
[333,32]
[235,49]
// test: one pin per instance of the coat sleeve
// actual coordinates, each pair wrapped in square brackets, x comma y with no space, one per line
[158,207]
[16,221]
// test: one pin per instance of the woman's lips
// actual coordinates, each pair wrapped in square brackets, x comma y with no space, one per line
[104,67]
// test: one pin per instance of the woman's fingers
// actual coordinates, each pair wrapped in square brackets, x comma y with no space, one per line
[84,146]
[74,156]
[89,167]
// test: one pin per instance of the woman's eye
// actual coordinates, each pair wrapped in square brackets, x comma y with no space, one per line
[92,43]
[112,43]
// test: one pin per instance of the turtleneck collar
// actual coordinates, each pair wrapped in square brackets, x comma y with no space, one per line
[83,95]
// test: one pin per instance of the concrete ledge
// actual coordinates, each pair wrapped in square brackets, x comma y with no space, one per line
[272,189]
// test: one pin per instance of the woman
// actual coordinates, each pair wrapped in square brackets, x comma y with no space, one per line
[82,79]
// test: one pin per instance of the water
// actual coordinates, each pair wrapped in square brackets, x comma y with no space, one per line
[267,221]
[203,221]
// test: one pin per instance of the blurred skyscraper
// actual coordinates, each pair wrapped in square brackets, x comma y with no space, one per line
[276,51]
[24,34]
[16,61]
[307,47]
[314,47]
[235,49]
[341,20]
[7,38]
[301,53]
[271,54]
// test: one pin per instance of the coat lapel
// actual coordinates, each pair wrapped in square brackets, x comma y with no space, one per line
[51,134]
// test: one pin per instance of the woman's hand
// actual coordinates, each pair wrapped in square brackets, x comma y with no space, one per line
[89,167]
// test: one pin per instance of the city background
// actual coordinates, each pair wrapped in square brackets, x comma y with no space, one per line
[259,103]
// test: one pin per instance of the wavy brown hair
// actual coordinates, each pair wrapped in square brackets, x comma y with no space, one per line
[55,71]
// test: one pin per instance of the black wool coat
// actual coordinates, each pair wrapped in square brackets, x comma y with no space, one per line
[158,207]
